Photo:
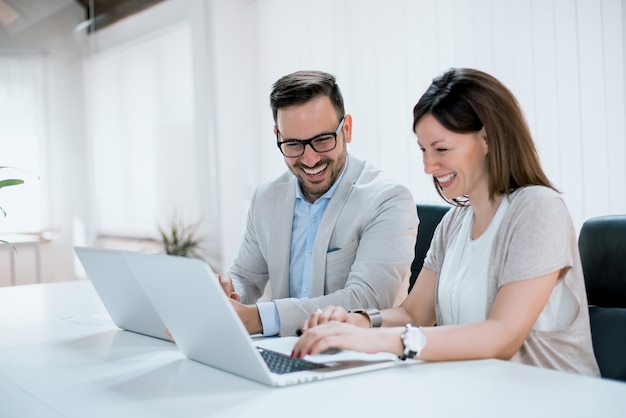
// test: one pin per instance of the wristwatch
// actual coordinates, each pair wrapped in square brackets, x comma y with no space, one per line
[376,319]
[413,340]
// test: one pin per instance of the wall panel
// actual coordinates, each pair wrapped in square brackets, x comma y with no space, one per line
[594,140]
[613,80]
[561,58]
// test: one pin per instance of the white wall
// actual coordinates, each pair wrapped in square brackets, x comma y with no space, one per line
[564,59]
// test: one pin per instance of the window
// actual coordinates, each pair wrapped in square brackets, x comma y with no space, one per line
[140,102]
[22,140]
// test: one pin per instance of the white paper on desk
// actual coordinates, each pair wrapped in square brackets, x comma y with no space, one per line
[91,321]
[285,345]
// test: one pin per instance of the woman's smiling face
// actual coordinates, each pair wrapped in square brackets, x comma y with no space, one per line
[457,161]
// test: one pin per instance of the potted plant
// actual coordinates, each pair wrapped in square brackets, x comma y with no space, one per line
[6,183]
[182,240]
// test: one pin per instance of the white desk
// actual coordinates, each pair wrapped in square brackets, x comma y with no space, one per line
[58,359]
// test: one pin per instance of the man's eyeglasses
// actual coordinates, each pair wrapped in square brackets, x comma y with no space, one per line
[292,148]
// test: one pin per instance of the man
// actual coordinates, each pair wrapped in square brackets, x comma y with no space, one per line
[331,230]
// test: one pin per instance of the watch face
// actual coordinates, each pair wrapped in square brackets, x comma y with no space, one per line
[414,339]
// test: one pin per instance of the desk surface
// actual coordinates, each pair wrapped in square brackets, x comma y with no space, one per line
[61,357]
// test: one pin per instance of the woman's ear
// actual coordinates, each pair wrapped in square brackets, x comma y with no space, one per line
[483,136]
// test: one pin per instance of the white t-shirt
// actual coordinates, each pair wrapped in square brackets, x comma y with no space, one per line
[462,288]
[463,280]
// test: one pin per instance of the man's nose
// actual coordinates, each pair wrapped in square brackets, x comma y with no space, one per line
[310,156]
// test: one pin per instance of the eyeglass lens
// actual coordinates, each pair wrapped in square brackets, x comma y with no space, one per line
[320,144]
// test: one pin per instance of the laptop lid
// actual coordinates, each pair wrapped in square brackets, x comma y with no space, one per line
[121,294]
[207,329]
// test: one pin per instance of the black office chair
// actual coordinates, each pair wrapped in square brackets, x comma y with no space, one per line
[602,245]
[429,215]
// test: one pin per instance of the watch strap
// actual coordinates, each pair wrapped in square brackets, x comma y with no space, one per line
[373,314]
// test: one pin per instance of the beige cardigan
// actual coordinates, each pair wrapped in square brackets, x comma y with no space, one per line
[536,237]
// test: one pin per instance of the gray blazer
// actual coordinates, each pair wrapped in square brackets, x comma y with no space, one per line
[370,225]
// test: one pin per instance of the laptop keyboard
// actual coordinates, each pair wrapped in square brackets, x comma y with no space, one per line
[281,363]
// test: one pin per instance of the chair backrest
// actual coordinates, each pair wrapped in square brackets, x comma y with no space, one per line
[429,216]
[602,245]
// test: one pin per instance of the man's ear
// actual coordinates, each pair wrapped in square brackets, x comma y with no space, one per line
[347,127]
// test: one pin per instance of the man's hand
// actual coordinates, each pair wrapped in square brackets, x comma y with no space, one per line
[229,288]
[249,315]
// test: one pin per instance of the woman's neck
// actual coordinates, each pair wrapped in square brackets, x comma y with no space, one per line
[484,211]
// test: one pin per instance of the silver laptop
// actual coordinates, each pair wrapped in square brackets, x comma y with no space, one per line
[206,328]
[121,294]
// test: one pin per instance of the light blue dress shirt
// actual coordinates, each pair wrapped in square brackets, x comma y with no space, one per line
[306,219]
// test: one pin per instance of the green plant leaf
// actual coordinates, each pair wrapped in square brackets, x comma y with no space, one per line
[10,182]
[6,183]
[9,244]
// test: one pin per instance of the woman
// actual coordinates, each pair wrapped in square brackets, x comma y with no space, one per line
[502,278]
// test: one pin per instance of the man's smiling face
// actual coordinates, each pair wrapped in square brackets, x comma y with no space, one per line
[316,171]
